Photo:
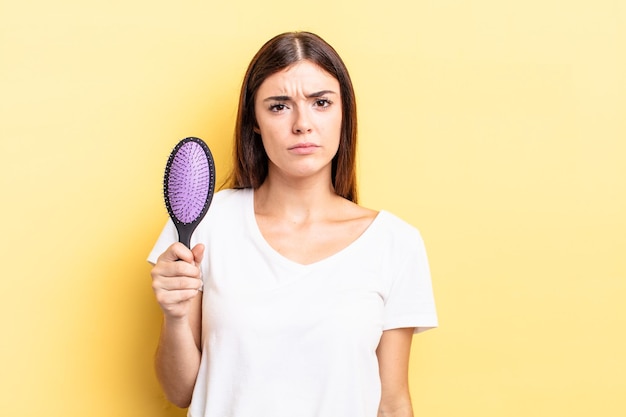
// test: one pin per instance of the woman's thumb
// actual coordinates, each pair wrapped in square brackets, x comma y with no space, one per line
[198,252]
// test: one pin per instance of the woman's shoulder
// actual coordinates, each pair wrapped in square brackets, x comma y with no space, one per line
[230,196]
[397,229]
[384,226]
[351,210]
[226,202]
[383,220]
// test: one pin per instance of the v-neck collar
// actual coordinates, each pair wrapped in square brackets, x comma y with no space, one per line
[258,237]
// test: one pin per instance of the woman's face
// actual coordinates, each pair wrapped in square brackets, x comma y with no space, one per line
[298,114]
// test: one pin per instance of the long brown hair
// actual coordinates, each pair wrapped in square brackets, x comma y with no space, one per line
[250,160]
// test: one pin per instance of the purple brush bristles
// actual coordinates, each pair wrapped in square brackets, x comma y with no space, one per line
[188,185]
[188,182]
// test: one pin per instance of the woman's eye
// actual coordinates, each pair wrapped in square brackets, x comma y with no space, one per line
[277,107]
[323,103]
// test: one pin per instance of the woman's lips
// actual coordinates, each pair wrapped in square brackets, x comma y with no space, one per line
[304,148]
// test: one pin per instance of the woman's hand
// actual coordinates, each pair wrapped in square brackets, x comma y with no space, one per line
[176,279]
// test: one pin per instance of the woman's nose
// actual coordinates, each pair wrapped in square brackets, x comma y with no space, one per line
[302,123]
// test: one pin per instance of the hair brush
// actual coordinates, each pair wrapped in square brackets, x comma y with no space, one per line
[188,185]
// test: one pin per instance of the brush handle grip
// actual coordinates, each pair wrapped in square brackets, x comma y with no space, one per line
[184,235]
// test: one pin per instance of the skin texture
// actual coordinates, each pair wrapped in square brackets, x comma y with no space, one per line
[298,116]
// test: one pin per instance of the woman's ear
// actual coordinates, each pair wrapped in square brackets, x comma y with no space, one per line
[256,129]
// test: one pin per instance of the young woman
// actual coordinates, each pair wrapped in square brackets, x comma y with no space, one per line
[294,301]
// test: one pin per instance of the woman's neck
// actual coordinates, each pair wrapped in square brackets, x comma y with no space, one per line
[300,200]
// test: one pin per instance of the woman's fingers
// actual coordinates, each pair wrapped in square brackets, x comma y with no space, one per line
[176,278]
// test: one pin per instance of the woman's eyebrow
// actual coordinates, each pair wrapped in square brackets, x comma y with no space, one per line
[321,93]
[312,95]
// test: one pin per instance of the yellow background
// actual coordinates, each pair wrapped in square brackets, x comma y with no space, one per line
[496,127]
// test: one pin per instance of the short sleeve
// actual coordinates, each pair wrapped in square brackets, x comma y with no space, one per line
[410,301]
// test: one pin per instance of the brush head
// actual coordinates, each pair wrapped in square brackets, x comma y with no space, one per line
[189,184]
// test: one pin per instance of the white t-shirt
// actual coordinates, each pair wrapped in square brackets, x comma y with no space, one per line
[281,339]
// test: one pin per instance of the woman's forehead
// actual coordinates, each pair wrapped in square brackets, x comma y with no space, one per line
[302,75]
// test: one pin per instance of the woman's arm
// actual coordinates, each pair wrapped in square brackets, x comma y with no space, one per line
[176,282]
[393,361]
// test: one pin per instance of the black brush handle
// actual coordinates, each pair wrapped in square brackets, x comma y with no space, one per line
[184,234]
